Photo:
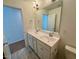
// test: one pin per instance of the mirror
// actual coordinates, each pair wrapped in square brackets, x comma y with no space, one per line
[48,22]
[49,18]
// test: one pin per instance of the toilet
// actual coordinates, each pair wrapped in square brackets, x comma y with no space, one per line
[70,52]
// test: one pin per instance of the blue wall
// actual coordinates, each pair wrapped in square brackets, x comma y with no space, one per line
[12,24]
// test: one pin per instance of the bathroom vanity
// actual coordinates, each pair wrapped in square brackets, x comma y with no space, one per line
[43,45]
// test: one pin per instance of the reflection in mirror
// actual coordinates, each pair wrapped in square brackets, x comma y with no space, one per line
[48,22]
[48,18]
[51,20]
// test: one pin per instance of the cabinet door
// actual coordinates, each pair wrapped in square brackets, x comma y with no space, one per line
[13,24]
[35,44]
[46,54]
[54,51]
[39,47]
[43,51]
[30,41]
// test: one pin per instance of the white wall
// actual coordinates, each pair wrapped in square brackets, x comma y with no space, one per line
[68,22]
[68,26]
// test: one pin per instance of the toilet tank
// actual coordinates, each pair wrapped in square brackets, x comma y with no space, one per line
[70,52]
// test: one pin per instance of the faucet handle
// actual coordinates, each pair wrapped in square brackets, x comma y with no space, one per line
[50,34]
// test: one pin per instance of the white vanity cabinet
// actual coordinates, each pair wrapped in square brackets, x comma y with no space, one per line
[45,51]
[45,48]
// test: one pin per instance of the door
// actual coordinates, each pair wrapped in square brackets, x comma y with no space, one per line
[13,24]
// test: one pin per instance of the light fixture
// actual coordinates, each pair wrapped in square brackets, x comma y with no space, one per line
[35,5]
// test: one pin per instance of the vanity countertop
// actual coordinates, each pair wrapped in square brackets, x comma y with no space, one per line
[44,37]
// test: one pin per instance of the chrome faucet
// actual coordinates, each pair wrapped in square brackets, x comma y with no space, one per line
[51,34]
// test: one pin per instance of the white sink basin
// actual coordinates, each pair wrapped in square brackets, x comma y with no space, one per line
[47,39]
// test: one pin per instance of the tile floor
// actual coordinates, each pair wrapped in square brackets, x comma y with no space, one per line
[25,53]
